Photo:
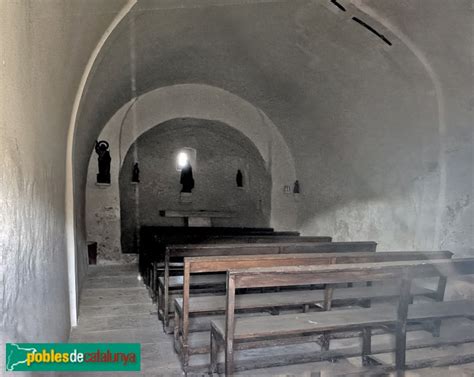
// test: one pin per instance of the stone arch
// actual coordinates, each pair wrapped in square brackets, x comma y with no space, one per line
[219,151]
[191,101]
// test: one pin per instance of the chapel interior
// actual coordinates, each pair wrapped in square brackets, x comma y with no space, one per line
[244,187]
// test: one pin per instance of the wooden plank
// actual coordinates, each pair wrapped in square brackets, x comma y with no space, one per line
[213,304]
[270,248]
[230,326]
[401,325]
[343,273]
[273,238]
[185,320]
[296,324]
[176,282]
[342,320]
[223,263]
[442,281]
[366,345]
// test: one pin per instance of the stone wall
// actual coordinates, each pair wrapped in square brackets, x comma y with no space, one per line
[220,151]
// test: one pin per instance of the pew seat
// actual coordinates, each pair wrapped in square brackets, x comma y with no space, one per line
[201,280]
[254,328]
[235,331]
[212,304]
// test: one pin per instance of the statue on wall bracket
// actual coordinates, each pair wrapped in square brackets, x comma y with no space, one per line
[104,159]
[136,173]
[239,178]
[187,179]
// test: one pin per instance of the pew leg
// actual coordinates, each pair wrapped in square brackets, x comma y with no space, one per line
[159,302]
[229,357]
[439,297]
[176,327]
[185,356]
[436,330]
[305,308]
[366,345]
[166,314]
[401,327]
[325,341]
[153,282]
[214,353]
[274,311]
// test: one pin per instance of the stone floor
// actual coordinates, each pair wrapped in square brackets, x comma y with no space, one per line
[115,307]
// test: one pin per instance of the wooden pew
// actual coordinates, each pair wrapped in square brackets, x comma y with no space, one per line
[276,237]
[152,240]
[233,332]
[181,251]
[267,238]
[216,304]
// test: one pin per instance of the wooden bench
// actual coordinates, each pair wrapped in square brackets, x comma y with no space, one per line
[276,237]
[186,305]
[153,239]
[179,252]
[233,332]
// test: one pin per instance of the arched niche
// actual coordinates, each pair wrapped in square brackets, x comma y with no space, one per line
[219,152]
[185,101]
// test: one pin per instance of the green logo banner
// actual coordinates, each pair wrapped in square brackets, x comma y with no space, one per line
[43,357]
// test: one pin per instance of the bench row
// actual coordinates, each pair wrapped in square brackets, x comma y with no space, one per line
[233,332]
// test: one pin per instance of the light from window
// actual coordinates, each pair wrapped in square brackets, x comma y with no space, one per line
[183,160]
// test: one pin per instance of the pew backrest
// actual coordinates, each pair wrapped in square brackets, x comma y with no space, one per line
[271,263]
[182,251]
[345,273]
[405,271]
[270,238]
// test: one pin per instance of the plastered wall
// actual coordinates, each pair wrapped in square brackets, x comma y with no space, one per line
[394,162]
[44,47]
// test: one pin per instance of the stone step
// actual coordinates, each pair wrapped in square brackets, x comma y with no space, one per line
[116,309]
[133,275]
[114,282]
[118,322]
[112,292]
[113,300]
[113,267]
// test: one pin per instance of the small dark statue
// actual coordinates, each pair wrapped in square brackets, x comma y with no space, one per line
[102,149]
[136,173]
[187,179]
[239,178]
[296,187]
